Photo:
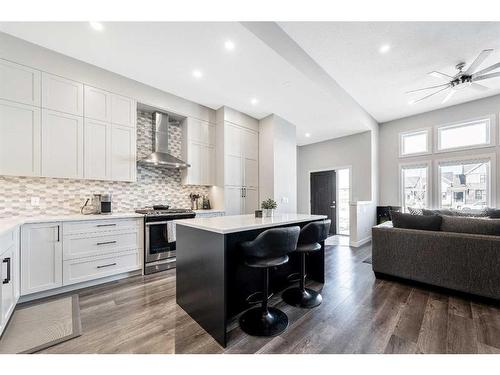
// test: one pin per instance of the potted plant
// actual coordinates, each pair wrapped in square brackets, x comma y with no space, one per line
[268,206]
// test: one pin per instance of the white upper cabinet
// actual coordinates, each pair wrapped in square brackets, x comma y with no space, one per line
[250,144]
[123,153]
[199,152]
[97,104]
[123,110]
[97,163]
[61,94]
[19,139]
[19,83]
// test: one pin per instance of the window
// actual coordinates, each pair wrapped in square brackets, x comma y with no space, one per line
[414,186]
[465,185]
[477,133]
[414,143]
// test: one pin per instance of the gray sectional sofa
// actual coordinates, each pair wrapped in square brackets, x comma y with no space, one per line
[464,262]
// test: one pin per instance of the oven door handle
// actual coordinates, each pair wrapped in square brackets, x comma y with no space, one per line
[157,222]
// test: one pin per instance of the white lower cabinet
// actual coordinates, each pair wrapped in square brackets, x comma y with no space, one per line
[41,257]
[9,276]
[240,200]
[66,253]
[251,200]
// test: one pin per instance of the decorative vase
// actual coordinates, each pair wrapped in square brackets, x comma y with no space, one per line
[268,212]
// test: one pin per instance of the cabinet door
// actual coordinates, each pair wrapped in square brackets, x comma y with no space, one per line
[123,110]
[233,200]
[97,104]
[251,200]
[123,159]
[232,140]
[19,139]
[251,173]
[97,150]
[61,94]
[41,257]
[250,144]
[7,276]
[19,83]
[62,145]
[233,171]
[209,169]
[195,159]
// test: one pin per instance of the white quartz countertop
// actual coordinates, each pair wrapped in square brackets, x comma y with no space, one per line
[240,223]
[10,223]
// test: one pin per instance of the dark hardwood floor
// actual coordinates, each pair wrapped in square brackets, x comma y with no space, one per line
[359,314]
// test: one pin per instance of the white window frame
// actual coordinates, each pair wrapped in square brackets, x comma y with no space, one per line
[492,134]
[428,131]
[425,163]
[491,183]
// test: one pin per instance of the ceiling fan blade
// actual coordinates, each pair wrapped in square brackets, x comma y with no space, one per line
[448,97]
[486,76]
[478,87]
[428,96]
[428,88]
[440,75]
[478,61]
[486,70]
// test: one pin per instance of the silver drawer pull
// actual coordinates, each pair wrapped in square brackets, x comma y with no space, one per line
[106,225]
[107,265]
[106,243]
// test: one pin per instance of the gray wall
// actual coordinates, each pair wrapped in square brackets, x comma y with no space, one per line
[354,151]
[389,142]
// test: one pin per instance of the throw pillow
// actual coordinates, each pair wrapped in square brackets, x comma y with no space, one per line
[415,211]
[470,225]
[421,222]
[427,212]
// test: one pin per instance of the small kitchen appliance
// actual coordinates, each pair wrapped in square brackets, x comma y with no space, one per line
[106,204]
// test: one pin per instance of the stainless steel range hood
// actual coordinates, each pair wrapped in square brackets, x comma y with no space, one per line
[160,156]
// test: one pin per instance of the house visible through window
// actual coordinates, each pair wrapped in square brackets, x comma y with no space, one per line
[414,143]
[464,184]
[414,186]
[464,135]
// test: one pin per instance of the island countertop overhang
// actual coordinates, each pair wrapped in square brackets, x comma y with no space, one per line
[240,223]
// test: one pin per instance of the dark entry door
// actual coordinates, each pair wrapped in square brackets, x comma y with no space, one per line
[323,200]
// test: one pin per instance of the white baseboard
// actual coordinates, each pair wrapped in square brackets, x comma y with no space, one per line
[360,242]
[73,287]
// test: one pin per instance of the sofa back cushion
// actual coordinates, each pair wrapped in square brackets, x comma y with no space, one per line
[469,225]
[421,222]
[493,213]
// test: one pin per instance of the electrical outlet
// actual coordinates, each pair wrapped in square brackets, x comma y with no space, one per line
[284,200]
[35,201]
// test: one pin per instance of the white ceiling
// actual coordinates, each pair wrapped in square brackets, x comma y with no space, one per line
[164,54]
[348,51]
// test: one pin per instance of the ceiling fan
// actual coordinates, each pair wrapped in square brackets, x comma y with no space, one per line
[461,80]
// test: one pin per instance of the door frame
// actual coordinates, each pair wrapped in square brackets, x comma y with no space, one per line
[349,167]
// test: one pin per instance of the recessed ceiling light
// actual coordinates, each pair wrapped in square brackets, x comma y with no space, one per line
[229,44]
[254,101]
[384,48]
[197,73]
[308,135]
[96,25]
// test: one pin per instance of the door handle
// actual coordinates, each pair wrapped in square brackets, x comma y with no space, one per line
[58,233]
[7,280]
[332,206]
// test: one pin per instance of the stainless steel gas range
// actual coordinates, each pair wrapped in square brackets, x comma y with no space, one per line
[159,236]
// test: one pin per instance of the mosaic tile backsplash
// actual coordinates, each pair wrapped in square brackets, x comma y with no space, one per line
[59,196]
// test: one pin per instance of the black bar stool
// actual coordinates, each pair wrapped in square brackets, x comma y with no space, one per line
[309,239]
[269,249]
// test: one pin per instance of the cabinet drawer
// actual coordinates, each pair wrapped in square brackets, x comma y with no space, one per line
[76,271]
[75,247]
[98,226]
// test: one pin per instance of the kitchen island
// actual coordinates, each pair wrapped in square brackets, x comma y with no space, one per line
[213,285]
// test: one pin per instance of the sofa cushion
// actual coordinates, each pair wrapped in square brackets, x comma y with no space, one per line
[453,212]
[469,225]
[493,213]
[409,221]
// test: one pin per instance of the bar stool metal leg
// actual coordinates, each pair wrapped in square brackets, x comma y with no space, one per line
[302,296]
[264,320]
